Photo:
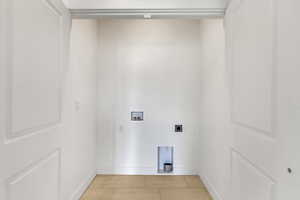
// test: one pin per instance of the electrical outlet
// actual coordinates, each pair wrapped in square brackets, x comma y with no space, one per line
[178,128]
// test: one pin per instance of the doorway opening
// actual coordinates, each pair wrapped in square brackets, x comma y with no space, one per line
[157,80]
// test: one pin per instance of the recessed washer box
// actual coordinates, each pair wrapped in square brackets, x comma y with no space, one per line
[165,159]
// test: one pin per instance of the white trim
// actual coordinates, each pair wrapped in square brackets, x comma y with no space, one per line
[211,189]
[148,13]
[82,187]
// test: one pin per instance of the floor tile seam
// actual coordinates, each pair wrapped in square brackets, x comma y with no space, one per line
[160,195]
[186,182]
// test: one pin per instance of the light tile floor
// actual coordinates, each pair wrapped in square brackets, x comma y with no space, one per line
[113,187]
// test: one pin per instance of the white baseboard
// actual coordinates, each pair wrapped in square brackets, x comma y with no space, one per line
[82,187]
[143,171]
[211,189]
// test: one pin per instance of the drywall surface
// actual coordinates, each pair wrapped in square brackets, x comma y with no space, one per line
[214,130]
[154,66]
[145,4]
[79,139]
[150,66]
[66,3]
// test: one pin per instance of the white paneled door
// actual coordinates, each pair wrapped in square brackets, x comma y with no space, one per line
[250,27]
[288,46]
[33,58]
[263,58]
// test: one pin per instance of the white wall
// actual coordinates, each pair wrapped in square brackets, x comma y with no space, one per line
[79,139]
[146,4]
[66,3]
[214,129]
[155,66]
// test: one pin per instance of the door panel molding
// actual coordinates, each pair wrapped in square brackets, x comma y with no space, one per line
[33,67]
[33,168]
[242,118]
[9,35]
[252,61]
[241,114]
[250,170]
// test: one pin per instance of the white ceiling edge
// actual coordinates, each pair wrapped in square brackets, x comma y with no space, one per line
[146,4]
[148,13]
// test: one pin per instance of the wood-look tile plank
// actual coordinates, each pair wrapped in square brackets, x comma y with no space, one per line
[194,182]
[184,194]
[136,194]
[165,182]
[125,182]
[100,180]
[98,194]
[146,188]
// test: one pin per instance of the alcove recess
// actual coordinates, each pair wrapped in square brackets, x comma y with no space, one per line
[165,159]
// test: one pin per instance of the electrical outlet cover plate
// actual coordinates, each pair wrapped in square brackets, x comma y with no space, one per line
[178,128]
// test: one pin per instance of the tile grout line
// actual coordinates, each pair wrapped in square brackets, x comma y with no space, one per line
[160,198]
[187,184]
